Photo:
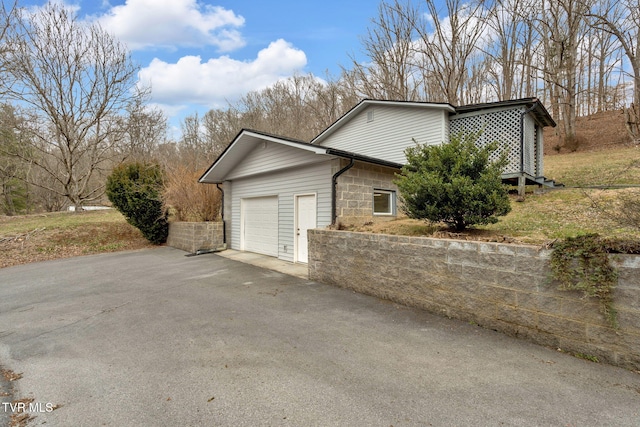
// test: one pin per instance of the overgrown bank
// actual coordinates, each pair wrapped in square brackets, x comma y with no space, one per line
[32,238]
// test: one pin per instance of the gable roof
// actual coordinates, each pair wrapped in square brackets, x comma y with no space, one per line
[372,102]
[248,139]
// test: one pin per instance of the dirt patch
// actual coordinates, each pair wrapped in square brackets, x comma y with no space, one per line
[600,131]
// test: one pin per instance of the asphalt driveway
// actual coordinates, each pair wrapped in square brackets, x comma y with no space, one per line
[157,338]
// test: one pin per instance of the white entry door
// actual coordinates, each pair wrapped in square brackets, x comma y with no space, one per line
[305,220]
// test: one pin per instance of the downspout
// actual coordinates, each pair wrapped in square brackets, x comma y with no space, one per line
[224,224]
[334,190]
[524,113]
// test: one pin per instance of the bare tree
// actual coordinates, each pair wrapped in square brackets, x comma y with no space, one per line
[449,39]
[622,20]
[598,64]
[476,85]
[331,102]
[416,58]
[509,51]
[290,107]
[391,72]
[7,17]
[42,197]
[191,148]
[145,129]
[220,127]
[74,80]
[562,24]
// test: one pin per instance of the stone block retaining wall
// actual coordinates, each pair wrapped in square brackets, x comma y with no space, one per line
[503,287]
[193,236]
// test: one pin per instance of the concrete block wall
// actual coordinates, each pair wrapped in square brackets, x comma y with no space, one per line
[354,197]
[503,287]
[193,236]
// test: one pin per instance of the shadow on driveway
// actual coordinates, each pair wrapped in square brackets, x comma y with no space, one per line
[156,338]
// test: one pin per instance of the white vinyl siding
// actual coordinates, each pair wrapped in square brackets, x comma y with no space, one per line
[269,156]
[391,131]
[446,129]
[310,179]
[227,187]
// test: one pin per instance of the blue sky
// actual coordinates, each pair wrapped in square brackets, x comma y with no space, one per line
[197,54]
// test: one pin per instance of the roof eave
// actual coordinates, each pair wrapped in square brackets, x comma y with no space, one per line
[540,112]
[361,158]
[218,159]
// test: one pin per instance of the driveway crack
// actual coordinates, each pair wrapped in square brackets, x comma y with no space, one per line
[103,311]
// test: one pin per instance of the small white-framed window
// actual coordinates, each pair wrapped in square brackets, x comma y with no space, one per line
[370,116]
[384,202]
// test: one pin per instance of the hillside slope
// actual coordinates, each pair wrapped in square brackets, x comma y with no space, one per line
[599,131]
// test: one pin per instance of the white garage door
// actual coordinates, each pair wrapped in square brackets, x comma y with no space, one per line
[260,225]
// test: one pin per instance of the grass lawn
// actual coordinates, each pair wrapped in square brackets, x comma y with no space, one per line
[30,238]
[607,167]
[559,214]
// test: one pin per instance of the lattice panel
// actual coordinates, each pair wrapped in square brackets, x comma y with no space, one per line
[504,127]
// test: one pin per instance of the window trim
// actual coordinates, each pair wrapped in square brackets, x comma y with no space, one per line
[392,202]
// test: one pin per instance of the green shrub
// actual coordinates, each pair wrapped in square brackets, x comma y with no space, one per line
[454,183]
[135,190]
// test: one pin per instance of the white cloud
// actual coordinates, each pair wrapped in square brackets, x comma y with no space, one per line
[212,83]
[173,23]
[69,7]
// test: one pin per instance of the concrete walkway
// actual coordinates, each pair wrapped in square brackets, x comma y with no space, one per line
[271,263]
[157,338]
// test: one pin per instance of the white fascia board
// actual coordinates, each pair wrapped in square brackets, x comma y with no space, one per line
[209,176]
[446,107]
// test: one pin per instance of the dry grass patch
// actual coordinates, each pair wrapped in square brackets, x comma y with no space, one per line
[539,219]
[560,214]
[603,167]
[31,238]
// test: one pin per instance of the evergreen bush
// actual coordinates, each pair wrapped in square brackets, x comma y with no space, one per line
[455,183]
[135,189]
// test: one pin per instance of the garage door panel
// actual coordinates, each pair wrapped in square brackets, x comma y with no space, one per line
[260,225]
